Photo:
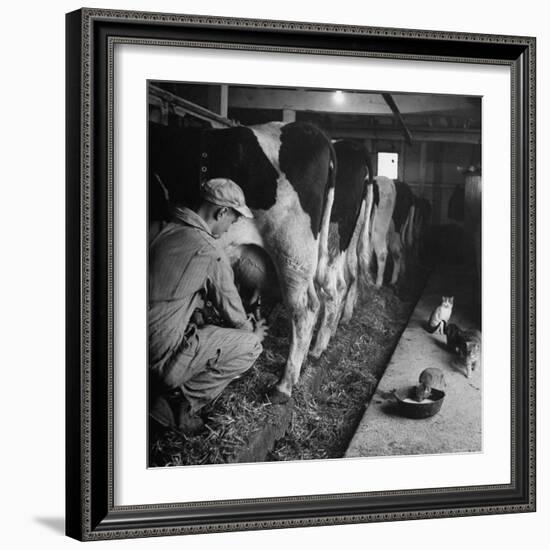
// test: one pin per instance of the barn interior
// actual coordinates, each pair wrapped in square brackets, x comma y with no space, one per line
[431,142]
[428,141]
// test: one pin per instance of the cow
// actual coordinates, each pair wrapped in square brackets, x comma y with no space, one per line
[422,218]
[404,201]
[404,213]
[287,174]
[338,287]
[396,251]
[379,222]
[401,231]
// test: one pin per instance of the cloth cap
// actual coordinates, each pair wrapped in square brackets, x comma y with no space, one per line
[225,192]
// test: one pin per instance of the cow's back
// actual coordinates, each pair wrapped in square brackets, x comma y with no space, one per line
[256,157]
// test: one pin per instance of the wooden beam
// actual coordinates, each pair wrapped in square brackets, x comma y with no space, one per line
[352,102]
[447,136]
[391,104]
[305,100]
[182,107]
[401,162]
[224,96]
[409,104]
[289,115]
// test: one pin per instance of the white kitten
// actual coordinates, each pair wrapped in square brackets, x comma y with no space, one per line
[441,314]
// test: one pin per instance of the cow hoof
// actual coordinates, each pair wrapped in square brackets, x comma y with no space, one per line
[315,354]
[346,318]
[277,397]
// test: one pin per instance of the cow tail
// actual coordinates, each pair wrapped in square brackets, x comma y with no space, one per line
[365,205]
[371,198]
[368,162]
[322,261]
[405,226]
[410,226]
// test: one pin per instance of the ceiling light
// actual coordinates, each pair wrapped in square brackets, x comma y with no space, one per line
[339,96]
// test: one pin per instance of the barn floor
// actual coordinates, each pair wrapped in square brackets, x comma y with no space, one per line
[327,405]
[457,426]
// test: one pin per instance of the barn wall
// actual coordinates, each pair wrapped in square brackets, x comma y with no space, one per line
[432,169]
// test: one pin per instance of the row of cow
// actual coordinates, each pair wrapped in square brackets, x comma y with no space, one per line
[319,218]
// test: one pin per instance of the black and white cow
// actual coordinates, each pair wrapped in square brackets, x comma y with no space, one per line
[339,285]
[411,217]
[422,219]
[403,214]
[376,240]
[401,231]
[287,173]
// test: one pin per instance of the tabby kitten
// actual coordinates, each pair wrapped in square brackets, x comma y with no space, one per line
[441,314]
[470,350]
[429,378]
[466,344]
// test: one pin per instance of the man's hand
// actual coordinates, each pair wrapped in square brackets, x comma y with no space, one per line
[260,328]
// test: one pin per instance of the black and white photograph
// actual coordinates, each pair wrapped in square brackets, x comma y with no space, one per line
[314,273]
[300,273]
[270,275]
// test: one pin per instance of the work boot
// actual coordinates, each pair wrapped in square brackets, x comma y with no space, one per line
[161,412]
[189,423]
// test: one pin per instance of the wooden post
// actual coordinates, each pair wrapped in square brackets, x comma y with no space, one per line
[217,99]
[422,167]
[224,100]
[289,115]
[438,177]
[401,163]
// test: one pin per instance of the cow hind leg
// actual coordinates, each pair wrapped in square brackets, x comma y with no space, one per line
[342,294]
[303,306]
[364,265]
[364,250]
[350,301]
[332,300]
[381,252]
[396,251]
[396,268]
[327,318]
[351,292]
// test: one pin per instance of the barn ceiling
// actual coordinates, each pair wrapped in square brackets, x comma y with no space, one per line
[348,102]
[344,113]
[351,113]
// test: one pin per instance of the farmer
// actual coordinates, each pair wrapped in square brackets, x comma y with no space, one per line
[186,269]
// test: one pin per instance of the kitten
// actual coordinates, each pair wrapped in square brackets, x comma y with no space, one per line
[470,350]
[452,332]
[429,378]
[466,344]
[441,314]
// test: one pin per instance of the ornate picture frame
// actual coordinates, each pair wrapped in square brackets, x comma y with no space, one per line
[92,35]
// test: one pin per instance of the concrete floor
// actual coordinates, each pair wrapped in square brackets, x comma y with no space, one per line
[457,426]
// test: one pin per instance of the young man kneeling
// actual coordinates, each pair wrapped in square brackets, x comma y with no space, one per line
[186,269]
